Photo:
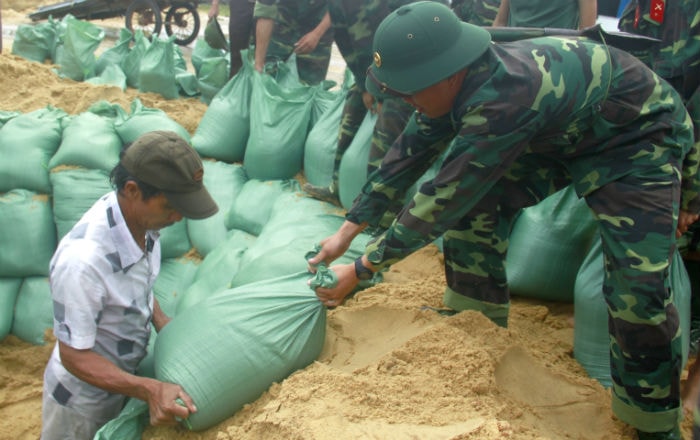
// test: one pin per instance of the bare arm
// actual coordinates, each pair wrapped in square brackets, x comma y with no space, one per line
[159,318]
[96,370]
[502,15]
[214,10]
[263,34]
[588,13]
[308,42]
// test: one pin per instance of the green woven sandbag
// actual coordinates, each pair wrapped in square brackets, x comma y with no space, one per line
[352,173]
[321,144]
[129,424]
[112,75]
[216,269]
[224,181]
[9,289]
[279,122]
[114,55]
[76,58]
[226,350]
[27,234]
[201,52]
[175,276]
[212,76]
[27,143]
[89,140]
[33,310]
[174,241]
[548,243]
[142,119]
[223,131]
[75,190]
[252,207]
[131,63]
[34,41]
[591,338]
[157,70]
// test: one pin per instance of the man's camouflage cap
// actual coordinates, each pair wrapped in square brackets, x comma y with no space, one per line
[419,45]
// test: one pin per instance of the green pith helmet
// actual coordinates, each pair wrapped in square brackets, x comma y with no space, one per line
[419,45]
[214,36]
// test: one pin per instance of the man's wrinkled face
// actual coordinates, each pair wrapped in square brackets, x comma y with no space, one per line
[157,213]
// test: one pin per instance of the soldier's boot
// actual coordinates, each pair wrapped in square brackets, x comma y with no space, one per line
[674,434]
[324,193]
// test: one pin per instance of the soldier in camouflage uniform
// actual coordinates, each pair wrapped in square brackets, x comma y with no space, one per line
[286,27]
[513,123]
[354,23]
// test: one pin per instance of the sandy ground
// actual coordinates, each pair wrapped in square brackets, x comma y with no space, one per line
[389,370]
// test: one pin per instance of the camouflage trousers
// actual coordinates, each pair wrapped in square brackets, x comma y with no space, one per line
[637,218]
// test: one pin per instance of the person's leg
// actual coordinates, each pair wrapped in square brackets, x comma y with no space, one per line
[475,249]
[58,422]
[240,29]
[637,218]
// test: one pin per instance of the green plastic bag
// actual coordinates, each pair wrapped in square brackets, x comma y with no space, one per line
[90,141]
[279,122]
[27,143]
[223,131]
[34,41]
[144,119]
[115,55]
[548,243]
[76,59]
[157,69]
[75,190]
[212,76]
[352,173]
[9,289]
[33,310]
[226,350]
[131,63]
[27,234]
[175,276]
[253,205]
[321,144]
[591,337]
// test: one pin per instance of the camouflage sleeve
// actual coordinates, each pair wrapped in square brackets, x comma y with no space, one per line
[474,162]
[266,9]
[690,198]
[415,150]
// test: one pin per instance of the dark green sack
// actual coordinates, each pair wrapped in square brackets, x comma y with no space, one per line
[75,190]
[34,41]
[27,143]
[591,337]
[279,122]
[352,173]
[548,243]
[27,234]
[90,141]
[33,310]
[226,350]
[157,69]
[76,56]
[223,131]
[9,289]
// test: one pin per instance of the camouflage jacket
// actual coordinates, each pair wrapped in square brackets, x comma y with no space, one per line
[595,110]
[477,12]
[677,58]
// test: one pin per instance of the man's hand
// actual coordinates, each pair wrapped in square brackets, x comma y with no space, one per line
[346,283]
[168,404]
[685,219]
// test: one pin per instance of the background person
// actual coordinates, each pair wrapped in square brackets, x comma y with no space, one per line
[101,279]
[565,14]
[240,29]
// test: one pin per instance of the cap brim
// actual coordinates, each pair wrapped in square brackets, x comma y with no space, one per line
[195,205]
[424,74]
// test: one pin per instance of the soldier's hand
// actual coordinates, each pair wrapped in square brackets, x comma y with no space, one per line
[685,219]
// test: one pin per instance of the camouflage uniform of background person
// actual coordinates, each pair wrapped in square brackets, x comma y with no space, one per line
[354,23]
[478,12]
[565,14]
[513,123]
[240,29]
[301,27]
[677,59]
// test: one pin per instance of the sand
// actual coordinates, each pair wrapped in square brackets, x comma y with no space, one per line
[389,370]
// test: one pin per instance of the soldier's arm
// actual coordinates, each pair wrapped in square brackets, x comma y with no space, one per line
[502,15]
[588,13]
